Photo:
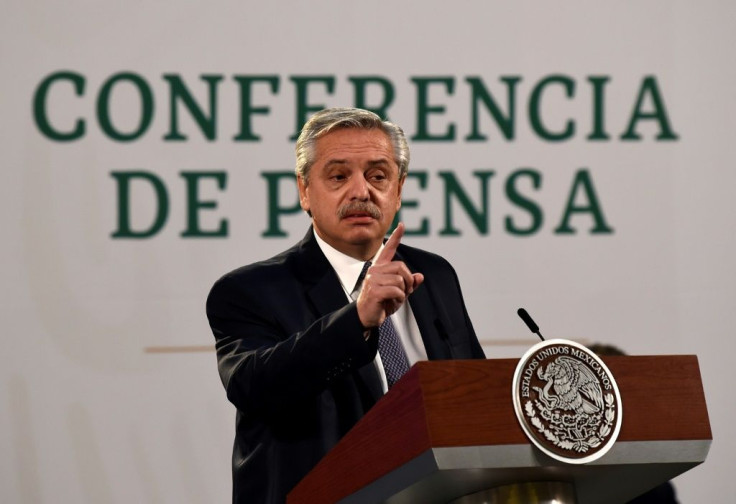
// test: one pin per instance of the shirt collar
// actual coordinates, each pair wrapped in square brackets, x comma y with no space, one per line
[347,268]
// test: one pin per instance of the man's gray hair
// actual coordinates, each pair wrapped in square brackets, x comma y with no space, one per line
[331,119]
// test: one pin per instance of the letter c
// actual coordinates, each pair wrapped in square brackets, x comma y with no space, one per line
[40,111]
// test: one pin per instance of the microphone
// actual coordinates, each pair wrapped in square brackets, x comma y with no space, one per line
[529,322]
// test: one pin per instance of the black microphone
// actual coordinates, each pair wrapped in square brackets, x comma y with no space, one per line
[529,322]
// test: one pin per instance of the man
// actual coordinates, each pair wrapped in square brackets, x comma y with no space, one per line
[298,356]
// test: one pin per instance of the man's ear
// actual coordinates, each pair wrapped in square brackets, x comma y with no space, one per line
[401,187]
[303,196]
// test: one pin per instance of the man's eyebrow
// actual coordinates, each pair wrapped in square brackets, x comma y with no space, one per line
[382,161]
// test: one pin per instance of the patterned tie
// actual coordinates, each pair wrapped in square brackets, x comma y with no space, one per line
[393,356]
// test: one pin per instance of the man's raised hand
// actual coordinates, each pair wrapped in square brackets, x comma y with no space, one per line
[387,284]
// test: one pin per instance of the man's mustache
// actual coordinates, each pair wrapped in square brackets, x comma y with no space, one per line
[359,207]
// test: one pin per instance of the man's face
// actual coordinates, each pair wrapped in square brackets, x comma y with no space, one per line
[353,191]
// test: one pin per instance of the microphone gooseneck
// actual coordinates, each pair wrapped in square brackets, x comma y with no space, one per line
[533,327]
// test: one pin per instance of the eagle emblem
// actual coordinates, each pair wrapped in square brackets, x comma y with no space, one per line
[576,388]
[567,401]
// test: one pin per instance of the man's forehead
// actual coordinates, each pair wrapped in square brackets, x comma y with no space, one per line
[382,161]
[342,145]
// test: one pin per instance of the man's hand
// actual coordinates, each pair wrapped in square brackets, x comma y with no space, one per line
[387,284]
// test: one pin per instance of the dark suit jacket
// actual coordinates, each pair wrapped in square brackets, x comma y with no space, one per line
[294,361]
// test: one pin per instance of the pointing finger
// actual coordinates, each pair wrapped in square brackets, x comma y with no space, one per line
[389,249]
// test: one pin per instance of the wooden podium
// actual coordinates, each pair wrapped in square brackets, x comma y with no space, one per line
[449,429]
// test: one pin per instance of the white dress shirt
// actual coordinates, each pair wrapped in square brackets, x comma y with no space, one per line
[348,270]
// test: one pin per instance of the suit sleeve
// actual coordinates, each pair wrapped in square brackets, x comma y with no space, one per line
[264,367]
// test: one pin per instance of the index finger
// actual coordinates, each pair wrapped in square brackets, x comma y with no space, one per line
[389,249]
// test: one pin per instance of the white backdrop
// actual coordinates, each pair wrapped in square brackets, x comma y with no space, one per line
[109,392]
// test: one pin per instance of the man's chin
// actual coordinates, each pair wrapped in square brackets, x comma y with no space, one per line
[357,240]
[363,232]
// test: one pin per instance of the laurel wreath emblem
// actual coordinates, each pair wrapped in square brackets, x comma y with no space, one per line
[573,432]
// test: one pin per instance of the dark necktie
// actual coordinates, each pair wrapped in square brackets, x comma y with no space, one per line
[393,356]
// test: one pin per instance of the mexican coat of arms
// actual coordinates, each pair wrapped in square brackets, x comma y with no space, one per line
[567,401]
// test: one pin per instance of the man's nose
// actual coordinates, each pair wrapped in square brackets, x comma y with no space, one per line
[359,188]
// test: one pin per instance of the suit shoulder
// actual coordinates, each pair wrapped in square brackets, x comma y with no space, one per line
[423,258]
[275,269]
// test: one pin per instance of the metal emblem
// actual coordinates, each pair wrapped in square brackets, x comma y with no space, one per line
[567,401]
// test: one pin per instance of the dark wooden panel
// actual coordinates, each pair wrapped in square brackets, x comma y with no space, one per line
[469,403]
[662,397]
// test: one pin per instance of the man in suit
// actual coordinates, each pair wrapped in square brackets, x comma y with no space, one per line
[309,340]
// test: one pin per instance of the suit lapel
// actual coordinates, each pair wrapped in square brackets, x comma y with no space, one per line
[319,279]
[429,316]
[326,295]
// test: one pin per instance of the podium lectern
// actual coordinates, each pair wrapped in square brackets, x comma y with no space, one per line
[448,429]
